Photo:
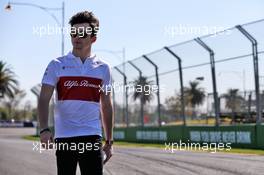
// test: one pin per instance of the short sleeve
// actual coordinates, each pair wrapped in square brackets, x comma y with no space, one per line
[107,80]
[50,76]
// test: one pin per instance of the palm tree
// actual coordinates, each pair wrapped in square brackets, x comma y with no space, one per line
[139,84]
[194,95]
[8,84]
[140,92]
[233,101]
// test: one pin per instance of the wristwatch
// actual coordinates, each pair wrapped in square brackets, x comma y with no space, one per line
[109,142]
[44,130]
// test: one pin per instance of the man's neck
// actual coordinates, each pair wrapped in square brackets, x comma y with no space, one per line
[83,54]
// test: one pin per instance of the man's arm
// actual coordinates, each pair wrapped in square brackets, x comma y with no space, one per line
[43,111]
[43,105]
[107,115]
[108,121]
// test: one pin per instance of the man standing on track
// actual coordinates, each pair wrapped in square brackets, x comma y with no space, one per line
[83,83]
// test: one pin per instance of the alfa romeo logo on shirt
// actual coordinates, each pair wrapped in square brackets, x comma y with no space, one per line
[84,83]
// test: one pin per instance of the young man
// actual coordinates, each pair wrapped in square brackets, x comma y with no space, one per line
[82,82]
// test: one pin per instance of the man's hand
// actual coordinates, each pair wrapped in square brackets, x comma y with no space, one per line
[108,149]
[46,139]
[107,117]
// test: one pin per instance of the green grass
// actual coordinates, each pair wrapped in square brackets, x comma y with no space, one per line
[246,151]
[31,137]
[162,146]
[208,122]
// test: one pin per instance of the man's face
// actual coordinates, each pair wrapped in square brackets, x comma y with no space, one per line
[81,36]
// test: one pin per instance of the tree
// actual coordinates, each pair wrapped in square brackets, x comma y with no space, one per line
[3,113]
[143,91]
[194,95]
[142,85]
[8,83]
[12,102]
[233,101]
[173,104]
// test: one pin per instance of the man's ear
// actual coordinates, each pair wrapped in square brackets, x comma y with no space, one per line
[93,39]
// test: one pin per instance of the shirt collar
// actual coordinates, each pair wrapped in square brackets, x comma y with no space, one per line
[93,58]
[70,55]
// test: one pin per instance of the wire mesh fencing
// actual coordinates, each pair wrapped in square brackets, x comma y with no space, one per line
[213,79]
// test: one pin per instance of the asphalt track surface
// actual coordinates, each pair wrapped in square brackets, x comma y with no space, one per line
[18,158]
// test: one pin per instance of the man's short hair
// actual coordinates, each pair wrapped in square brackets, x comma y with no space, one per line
[86,17]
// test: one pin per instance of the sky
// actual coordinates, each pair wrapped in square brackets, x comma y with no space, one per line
[138,26]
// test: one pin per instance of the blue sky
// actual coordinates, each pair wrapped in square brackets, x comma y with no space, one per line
[139,26]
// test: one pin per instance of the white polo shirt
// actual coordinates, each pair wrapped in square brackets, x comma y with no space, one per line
[78,86]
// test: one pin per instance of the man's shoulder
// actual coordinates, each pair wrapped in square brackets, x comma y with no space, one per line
[59,60]
[101,62]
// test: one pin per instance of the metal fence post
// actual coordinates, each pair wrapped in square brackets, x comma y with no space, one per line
[181,82]
[141,98]
[158,91]
[113,96]
[212,62]
[256,71]
[126,95]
